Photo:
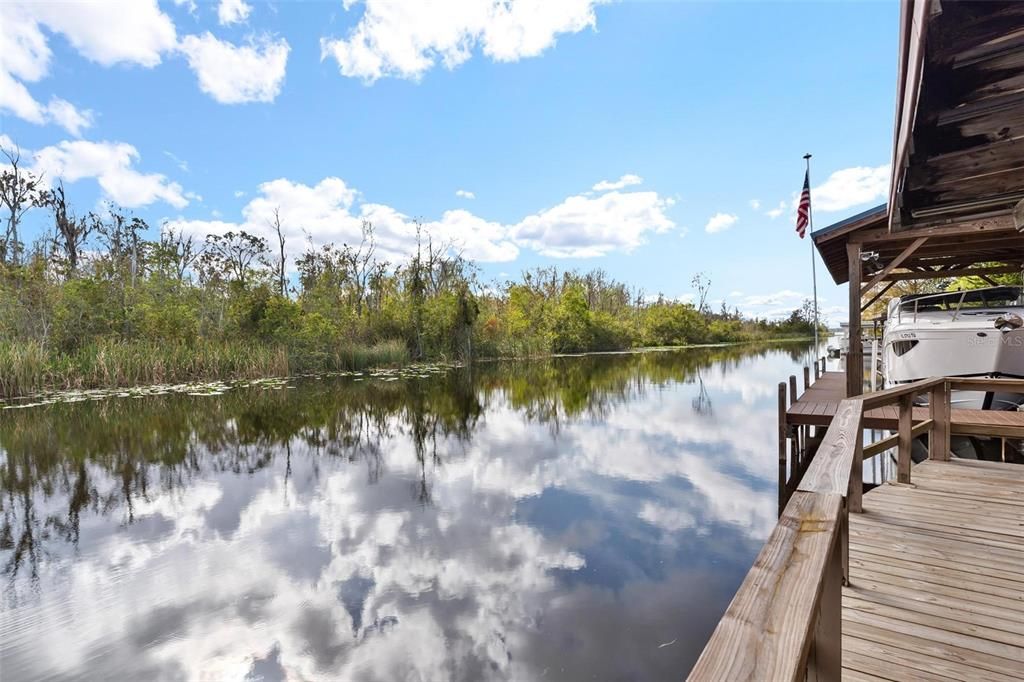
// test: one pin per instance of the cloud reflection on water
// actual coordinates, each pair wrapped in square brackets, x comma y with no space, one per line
[560,519]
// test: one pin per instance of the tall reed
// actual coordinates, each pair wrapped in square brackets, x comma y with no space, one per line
[29,367]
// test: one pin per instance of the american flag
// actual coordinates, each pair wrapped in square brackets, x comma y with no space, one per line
[803,211]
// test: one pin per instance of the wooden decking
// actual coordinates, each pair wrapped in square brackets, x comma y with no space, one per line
[819,403]
[937,577]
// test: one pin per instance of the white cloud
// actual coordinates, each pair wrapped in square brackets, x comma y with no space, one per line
[107,33]
[112,165]
[234,75]
[755,204]
[64,114]
[332,211]
[777,211]
[189,5]
[328,212]
[720,222]
[406,39]
[465,194]
[774,299]
[180,163]
[232,11]
[625,181]
[851,187]
[585,227]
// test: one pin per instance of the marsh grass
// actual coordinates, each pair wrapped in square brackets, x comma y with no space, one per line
[29,367]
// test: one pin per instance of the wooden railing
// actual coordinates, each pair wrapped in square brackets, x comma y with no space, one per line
[785,621]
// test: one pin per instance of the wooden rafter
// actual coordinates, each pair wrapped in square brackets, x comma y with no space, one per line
[894,263]
[880,294]
[960,272]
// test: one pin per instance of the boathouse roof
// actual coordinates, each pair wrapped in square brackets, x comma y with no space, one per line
[982,247]
[958,152]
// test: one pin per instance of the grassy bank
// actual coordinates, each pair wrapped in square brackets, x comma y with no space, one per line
[30,367]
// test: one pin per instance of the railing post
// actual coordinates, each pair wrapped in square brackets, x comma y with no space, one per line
[906,440]
[939,409]
[797,452]
[817,370]
[856,491]
[825,661]
[783,478]
[807,377]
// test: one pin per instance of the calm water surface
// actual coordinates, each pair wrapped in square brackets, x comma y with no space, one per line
[571,519]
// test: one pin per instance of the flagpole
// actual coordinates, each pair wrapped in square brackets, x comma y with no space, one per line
[814,274]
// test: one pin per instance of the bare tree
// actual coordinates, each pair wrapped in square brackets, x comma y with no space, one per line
[279,266]
[71,232]
[359,263]
[702,283]
[177,252]
[19,192]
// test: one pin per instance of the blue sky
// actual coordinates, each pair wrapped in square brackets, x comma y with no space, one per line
[693,115]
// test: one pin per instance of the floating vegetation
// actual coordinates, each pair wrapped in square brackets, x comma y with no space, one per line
[217,388]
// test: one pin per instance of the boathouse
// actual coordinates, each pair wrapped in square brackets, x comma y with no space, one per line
[922,577]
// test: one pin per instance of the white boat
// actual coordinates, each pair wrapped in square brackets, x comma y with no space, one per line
[977,332]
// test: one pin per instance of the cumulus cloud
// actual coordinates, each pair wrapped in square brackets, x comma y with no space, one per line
[25,53]
[773,299]
[328,212]
[586,227]
[127,32]
[233,74]
[464,194]
[407,39]
[777,211]
[625,181]
[64,114]
[112,165]
[332,211]
[851,187]
[232,11]
[755,204]
[108,33]
[720,222]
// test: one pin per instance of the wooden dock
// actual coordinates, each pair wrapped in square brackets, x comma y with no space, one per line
[819,402]
[921,578]
[937,577]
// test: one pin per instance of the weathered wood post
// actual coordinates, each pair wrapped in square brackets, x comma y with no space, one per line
[856,494]
[906,439]
[783,479]
[939,408]
[796,449]
[807,377]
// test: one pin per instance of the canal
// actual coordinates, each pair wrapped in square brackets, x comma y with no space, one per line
[574,518]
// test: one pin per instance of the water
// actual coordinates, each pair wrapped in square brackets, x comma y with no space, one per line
[578,518]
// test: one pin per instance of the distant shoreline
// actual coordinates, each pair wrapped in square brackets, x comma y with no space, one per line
[125,366]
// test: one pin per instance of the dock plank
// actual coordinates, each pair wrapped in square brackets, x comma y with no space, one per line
[818,404]
[937,576]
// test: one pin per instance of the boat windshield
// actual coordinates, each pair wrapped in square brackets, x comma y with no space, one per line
[962,301]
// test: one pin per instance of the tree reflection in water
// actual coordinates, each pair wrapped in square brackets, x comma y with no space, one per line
[107,460]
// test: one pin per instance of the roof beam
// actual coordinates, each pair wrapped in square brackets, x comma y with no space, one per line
[894,263]
[998,223]
[962,272]
[880,294]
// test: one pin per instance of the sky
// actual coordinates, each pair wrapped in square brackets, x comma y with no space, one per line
[651,139]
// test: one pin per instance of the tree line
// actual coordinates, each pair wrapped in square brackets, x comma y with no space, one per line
[97,287]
